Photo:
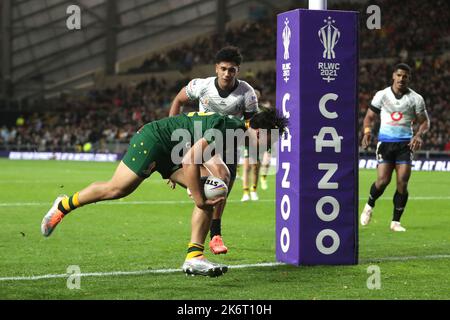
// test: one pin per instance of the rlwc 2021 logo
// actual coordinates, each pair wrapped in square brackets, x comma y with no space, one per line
[286,39]
[329,36]
[286,35]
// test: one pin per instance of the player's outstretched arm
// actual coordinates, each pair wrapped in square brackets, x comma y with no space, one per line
[178,102]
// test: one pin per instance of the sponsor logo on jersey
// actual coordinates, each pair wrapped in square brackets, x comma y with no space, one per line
[205,101]
[396,116]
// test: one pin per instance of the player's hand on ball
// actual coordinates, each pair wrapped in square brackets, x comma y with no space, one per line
[208,204]
[215,191]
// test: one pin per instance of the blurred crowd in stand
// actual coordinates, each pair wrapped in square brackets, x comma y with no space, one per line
[406,27]
[415,32]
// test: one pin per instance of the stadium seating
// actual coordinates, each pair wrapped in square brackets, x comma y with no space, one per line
[108,117]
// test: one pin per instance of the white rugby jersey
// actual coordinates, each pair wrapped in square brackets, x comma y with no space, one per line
[240,100]
[397,115]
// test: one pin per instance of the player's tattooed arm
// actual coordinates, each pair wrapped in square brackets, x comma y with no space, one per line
[424,125]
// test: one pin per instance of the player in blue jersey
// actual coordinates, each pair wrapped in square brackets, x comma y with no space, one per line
[399,108]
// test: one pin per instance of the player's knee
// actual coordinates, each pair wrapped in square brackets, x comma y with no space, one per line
[225,175]
[383,182]
[402,186]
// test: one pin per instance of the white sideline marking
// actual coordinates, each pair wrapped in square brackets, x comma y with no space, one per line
[128,273]
[156,202]
[407,258]
[241,266]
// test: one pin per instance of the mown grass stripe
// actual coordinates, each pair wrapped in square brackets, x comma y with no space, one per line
[241,266]
[157,202]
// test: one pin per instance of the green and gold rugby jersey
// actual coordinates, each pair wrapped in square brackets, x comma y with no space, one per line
[151,147]
[196,123]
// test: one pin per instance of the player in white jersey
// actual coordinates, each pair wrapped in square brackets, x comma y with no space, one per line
[227,95]
[399,107]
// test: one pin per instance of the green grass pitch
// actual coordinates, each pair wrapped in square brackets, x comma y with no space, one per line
[149,230]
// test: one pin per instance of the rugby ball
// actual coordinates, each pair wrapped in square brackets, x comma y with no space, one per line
[214,188]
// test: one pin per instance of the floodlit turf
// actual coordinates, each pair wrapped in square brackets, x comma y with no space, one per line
[151,233]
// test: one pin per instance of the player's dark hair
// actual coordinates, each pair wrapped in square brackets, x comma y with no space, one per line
[402,66]
[229,54]
[268,119]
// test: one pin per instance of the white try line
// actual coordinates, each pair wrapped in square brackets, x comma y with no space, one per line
[128,273]
[241,266]
[169,202]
